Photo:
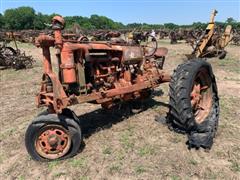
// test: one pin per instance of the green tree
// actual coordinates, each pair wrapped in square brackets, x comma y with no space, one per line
[170,26]
[40,21]
[26,18]
[102,22]
[230,20]
[19,18]
[199,25]
[1,21]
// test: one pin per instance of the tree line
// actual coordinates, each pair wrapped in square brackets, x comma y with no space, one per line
[27,18]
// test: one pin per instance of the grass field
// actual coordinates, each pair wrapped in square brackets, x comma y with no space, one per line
[119,146]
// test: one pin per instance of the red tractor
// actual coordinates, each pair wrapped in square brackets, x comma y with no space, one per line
[108,73]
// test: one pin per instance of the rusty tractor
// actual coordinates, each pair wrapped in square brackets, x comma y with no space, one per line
[212,42]
[109,73]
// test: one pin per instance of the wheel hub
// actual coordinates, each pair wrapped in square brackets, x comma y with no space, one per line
[201,96]
[53,142]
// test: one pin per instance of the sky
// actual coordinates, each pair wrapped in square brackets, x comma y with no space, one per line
[129,11]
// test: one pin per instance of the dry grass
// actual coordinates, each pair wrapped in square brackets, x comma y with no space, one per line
[117,147]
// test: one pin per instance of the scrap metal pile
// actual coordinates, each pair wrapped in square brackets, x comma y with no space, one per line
[14,58]
[189,35]
[23,36]
[236,38]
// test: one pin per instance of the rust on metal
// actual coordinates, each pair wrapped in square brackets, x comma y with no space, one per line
[101,72]
[53,142]
[201,96]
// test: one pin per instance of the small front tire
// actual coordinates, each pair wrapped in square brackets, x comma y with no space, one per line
[53,137]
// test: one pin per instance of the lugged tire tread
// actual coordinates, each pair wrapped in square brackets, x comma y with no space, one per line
[180,117]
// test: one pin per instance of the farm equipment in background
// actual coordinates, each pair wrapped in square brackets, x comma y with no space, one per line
[161,34]
[173,37]
[13,58]
[139,37]
[109,73]
[211,43]
[236,38]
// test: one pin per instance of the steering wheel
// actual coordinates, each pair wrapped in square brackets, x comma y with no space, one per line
[149,45]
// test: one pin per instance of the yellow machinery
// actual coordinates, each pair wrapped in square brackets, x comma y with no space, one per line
[212,43]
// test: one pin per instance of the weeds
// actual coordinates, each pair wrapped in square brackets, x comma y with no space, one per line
[193,162]
[175,177]
[114,168]
[52,165]
[78,162]
[126,139]
[140,169]
[120,156]
[146,150]
[21,177]
[84,178]
[235,167]
[230,65]
[107,151]
[59,174]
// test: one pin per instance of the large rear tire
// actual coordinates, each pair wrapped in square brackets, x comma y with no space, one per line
[194,103]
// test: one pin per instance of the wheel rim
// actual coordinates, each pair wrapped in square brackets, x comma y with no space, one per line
[8,52]
[53,142]
[201,96]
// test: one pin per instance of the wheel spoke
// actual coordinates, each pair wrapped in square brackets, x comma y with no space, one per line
[200,107]
[204,88]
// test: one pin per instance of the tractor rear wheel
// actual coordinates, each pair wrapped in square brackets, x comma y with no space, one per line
[51,137]
[194,103]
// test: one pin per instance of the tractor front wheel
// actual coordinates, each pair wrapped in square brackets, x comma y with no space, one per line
[52,136]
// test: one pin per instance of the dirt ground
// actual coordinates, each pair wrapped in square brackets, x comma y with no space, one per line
[120,146]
